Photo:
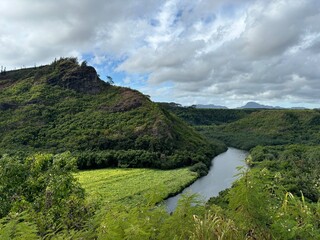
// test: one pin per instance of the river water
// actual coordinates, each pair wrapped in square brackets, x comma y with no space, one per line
[221,176]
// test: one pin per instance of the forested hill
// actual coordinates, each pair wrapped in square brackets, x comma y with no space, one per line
[202,116]
[65,106]
[247,128]
[271,127]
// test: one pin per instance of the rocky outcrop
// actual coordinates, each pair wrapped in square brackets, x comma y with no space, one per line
[79,78]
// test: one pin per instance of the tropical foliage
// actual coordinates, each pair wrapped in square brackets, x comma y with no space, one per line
[39,195]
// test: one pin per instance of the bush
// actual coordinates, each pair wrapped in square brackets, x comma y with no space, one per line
[43,186]
[200,168]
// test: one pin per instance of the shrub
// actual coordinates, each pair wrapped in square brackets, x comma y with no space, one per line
[200,168]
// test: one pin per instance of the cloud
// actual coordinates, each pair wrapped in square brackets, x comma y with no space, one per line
[273,28]
[189,51]
[42,30]
[251,53]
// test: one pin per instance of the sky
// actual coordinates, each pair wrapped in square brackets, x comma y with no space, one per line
[221,52]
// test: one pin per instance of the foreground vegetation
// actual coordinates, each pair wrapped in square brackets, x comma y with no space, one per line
[274,200]
[39,197]
[265,203]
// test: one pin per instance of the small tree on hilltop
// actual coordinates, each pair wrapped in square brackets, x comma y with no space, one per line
[110,80]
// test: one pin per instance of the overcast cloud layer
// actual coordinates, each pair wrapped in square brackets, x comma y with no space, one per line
[201,51]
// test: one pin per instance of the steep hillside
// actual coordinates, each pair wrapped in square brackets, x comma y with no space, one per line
[65,106]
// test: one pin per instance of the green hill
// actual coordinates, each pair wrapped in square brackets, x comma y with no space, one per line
[247,128]
[65,106]
[269,127]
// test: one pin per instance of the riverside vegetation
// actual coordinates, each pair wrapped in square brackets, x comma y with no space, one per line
[59,118]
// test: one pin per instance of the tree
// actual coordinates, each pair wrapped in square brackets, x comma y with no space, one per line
[84,64]
[3,70]
[42,186]
[110,80]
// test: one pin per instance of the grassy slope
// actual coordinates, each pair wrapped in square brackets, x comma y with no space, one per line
[134,186]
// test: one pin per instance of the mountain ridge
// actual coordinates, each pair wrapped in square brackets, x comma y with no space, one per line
[256,105]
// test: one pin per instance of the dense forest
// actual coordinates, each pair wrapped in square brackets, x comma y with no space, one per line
[61,118]
[247,128]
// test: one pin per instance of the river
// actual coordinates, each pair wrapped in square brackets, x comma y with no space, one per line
[221,176]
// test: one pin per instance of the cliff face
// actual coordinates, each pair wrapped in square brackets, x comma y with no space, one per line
[79,78]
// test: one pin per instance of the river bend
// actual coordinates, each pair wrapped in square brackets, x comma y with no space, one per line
[221,176]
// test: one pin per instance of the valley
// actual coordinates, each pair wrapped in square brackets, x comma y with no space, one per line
[81,158]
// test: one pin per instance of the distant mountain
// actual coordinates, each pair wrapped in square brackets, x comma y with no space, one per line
[256,105]
[210,106]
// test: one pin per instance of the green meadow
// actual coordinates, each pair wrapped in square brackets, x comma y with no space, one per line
[134,186]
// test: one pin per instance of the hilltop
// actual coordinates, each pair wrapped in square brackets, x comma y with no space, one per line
[65,106]
[256,105]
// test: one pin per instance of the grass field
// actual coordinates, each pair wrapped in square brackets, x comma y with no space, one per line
[134,186]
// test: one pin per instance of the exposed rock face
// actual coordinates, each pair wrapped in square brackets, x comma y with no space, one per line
[129,99]
[79,78]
